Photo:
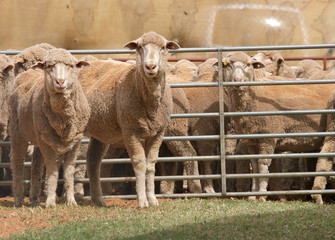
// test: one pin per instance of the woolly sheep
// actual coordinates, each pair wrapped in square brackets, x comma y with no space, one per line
[272,98]
[49,109]
[22,62]
[6,85]
[206,100]
[274,63]
[325,164]
[142,111]
[29,56]
[310,69]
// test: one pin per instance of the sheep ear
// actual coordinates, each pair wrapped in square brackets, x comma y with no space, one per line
[131,45]
[224,63]
[257,64]
[38,66]
[19,60]
[9,67]
[280,61]
[83,64]
[172,45]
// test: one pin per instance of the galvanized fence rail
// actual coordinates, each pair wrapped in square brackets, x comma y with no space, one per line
[221,137]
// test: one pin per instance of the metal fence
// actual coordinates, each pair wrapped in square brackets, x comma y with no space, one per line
[221,137]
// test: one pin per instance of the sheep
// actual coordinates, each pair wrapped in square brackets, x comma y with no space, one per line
[22,62]
[179,127]
[129,102]
[49,109]
[325,164]
[29,56]
[310,69]
[240,68]
[274,63]
[6,85]
[206,100]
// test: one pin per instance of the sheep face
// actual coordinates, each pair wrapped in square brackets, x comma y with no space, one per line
[151,52]
[272,60]
[306,68]
[61,70]
[240,67]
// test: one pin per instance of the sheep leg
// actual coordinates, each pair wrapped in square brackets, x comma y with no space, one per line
[79,173]
[207,149]
[37,166]
[96,151]
[255,181]
[50,160]
[69,170]
[137,155]
[107,169]
[18,151]
[185,148]
[167,186]
[323,164]
[152,146]
[267,147]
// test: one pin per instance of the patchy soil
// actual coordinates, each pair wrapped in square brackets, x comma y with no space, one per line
[17,220]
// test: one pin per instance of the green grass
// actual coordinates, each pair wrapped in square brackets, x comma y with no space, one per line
[197,219]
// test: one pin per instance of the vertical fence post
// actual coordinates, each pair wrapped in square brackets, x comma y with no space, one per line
[222,130]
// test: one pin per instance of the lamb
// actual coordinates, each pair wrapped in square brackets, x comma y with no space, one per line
[272,98]
[129,102]
[49,109]
[274,63]
[325,164]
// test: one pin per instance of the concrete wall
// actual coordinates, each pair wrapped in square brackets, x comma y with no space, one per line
[105,24]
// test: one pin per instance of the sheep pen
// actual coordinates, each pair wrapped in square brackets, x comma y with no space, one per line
[229,194]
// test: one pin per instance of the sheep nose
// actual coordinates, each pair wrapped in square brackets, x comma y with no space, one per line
[151,66]
[60,81]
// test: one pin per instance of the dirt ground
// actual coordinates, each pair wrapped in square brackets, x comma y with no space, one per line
[17,220]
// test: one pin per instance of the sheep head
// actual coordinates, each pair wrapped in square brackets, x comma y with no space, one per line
[151,52]
[30,56]
[61,70]
[272,60]
[239,67]
[306,68]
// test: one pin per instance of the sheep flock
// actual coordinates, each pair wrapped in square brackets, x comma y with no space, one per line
[50,101]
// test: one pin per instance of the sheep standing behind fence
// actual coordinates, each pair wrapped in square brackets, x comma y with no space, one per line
[49,109]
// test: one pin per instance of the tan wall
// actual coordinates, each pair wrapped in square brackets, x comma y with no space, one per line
[102,24]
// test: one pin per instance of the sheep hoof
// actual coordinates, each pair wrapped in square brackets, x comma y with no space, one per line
[252,198]
[99,202]
[262,199]
[79,196]
[35,202]
[196,188]
[142,203]
[51,202]
[317,198]
[19,202]
[153,202]
[71,202]
[209,189]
